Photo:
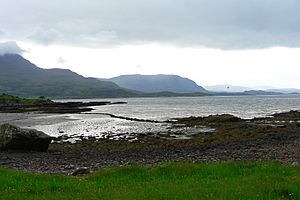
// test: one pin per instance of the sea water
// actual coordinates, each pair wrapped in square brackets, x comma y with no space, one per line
[103,126]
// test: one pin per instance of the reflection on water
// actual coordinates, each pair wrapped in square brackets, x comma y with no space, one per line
[101,126]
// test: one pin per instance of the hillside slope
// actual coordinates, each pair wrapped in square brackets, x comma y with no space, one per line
[158,83]
[20,77]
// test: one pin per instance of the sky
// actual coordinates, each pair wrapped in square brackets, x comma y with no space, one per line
[251,43]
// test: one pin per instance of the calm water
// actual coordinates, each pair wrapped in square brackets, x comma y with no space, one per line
[165,108]
[153,108]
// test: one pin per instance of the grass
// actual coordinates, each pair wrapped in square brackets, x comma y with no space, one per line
[230,180]
[9,99]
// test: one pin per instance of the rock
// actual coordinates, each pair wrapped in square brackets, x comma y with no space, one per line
[57,153]
[253,149]
[70,166]
[15,138]
[80,171]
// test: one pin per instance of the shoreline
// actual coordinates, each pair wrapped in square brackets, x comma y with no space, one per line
[65,158]
[274,138]
[54,107]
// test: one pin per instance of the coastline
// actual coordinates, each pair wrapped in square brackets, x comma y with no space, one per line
[259,139]
[66,157]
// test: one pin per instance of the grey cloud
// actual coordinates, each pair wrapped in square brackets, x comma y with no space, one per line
[226,24]
[44,36]
[10,48]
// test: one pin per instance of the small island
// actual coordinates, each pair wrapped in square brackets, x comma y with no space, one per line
[14,104]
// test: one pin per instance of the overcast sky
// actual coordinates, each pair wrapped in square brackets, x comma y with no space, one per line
[239,42]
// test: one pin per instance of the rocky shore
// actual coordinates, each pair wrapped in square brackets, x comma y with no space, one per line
[63,158]
[54,107]
[274,138]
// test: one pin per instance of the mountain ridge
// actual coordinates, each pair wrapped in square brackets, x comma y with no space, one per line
[227,88]
[21,77]
[157,83]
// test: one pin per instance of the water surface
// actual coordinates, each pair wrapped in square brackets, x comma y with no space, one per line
[104,126]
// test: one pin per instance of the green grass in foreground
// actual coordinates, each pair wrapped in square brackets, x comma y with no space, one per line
[167,181]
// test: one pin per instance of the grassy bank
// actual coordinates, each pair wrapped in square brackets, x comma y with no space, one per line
[9,99]
[167,181]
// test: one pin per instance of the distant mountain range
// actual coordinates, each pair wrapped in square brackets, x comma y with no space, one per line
[226,88]
[248,90]
[20,77]
[285,90]
[158,83]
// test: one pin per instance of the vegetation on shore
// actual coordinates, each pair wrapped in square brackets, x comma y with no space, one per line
[15,104]
[231,128]
[229,180]
[6,99]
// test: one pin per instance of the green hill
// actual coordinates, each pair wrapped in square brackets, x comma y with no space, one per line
[22,78]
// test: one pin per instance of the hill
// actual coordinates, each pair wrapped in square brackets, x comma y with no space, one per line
[158,83]
[261,92]
[226,88]
[240,90]
[20,77]
[285,90]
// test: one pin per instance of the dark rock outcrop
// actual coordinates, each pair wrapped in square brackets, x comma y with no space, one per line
[15,138]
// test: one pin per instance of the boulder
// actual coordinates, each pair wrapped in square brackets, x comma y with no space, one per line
[15,138]
[80,171]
